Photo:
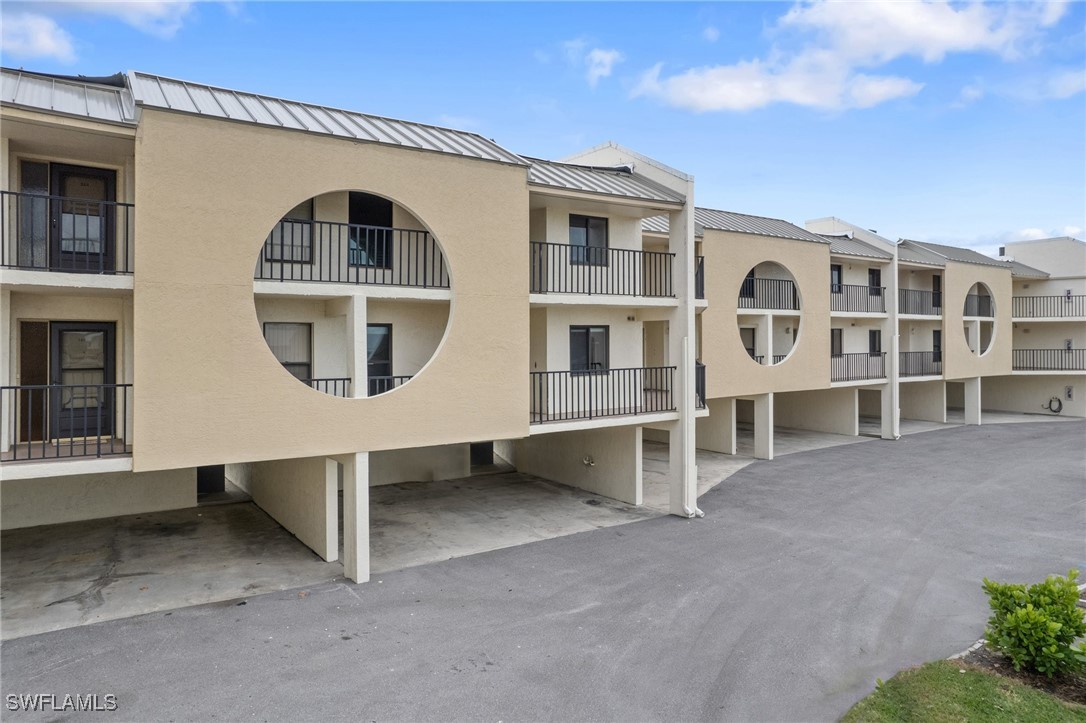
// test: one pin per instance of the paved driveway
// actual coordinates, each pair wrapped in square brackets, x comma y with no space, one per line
[809,577]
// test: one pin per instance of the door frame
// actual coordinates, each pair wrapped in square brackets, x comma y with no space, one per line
[59,427]
[371,389]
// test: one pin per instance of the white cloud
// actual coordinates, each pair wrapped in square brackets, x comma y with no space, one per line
[1066,84]
[600,63]
[161,18]
[969,95]
[29,35]
[839,41]
[711,34]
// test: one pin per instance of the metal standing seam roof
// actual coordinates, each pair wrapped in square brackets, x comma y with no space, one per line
[182,96]
[848,246]
[911,252]
[661,225]
[69,97]
[758,225]
[1020,269]
[956,253]
[608,181]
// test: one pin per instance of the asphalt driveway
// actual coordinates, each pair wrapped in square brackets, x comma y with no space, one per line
[809,577]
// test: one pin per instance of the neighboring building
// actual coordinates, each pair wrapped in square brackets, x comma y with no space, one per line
[199,284]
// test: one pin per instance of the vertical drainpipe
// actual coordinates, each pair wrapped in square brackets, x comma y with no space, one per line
[894,360]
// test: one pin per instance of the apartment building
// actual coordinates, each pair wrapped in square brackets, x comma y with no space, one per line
[201,285]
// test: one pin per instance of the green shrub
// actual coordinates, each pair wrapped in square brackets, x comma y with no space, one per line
[1037,626]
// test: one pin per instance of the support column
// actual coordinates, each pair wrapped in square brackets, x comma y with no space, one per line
[972,401]
[356,346]
[716,432]
[763,426]
[891,414]
[7,373]
[682,465]
[763,339]
[356,516]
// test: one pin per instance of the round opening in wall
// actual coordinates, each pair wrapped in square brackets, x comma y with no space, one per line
[978,318]
[768,315]
[334,259]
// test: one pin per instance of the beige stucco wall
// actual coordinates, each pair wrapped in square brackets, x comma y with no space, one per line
[958,361]
[1031,393]
[729,369]
[422,464]
[208,390]
[824,410]
[417,328]
[301,495]
[924,400]
[52,500]
[616,452]
[1049,335]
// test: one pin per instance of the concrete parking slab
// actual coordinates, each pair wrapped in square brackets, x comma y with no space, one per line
[790,441]
[809,577]
[713,468]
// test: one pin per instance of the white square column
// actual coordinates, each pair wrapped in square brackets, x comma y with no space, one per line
[972,400]
[357,346]
[356,516]
[763,426]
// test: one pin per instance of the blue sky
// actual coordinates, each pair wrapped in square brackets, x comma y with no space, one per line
[960,123]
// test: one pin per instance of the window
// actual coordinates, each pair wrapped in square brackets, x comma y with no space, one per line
[835,278]
[588,348]
[292,346]
[588,240]
[874,282]
[874,341]
[746,290]
[371,234]
[937,344]
[379,358]
[291,241]
[836,342]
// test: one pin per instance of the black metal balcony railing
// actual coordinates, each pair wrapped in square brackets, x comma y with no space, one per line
[977,305]
[920,363]
[699,385]
[568,395]
[343,253]
[757,293]
[1039,307]
[857,366]
[778,358]
[67,234]
[58,421]
[855,297]
[336,386]
[1055,360]
[380,385]
[921,303]
[699,277]
[565,269]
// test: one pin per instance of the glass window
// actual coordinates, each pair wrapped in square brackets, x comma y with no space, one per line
[835,278]
[588,240]
[291,344]
[588,348]
[836,343]
[874,341]
[874,281]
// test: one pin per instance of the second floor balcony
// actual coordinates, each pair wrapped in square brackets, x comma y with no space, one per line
[859,366]
[774,294]
[584,395]
[858,298]
[343,253]
[65,234]
[978,305]
[53,422]
[1049,360]
[920,363]
[600,270]
[1068,306]
[918,302]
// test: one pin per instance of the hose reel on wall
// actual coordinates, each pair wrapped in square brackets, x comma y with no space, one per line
[1055,405]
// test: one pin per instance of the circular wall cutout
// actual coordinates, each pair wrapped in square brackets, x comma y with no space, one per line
[768,316]
[336,244]
[978,318]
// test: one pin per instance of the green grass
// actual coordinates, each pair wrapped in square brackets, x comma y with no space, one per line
[938,692]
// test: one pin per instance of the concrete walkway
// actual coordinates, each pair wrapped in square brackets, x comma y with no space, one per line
[809,577]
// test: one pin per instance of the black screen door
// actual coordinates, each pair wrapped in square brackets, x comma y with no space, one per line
[82,369]
[82,218]
[937,345]
[379,358]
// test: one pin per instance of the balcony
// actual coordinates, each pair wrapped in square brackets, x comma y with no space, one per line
[780,294]
[583,395]
[858,298]
[342,253]
[65,234]
[1048,307]
[1048,360]
[858,366]
[978,305]
[699,385]
[920,363]
[699,277]
[336,386]
[64,421]
[920,303]
[593,270]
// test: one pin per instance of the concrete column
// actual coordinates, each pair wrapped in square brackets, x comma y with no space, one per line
[763,339]
[7,373]
[356,346]
[891,413]
[683,473]
[974,336]
[763,426]
[972,401]
[891,330]
[716,432]
[356,516]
